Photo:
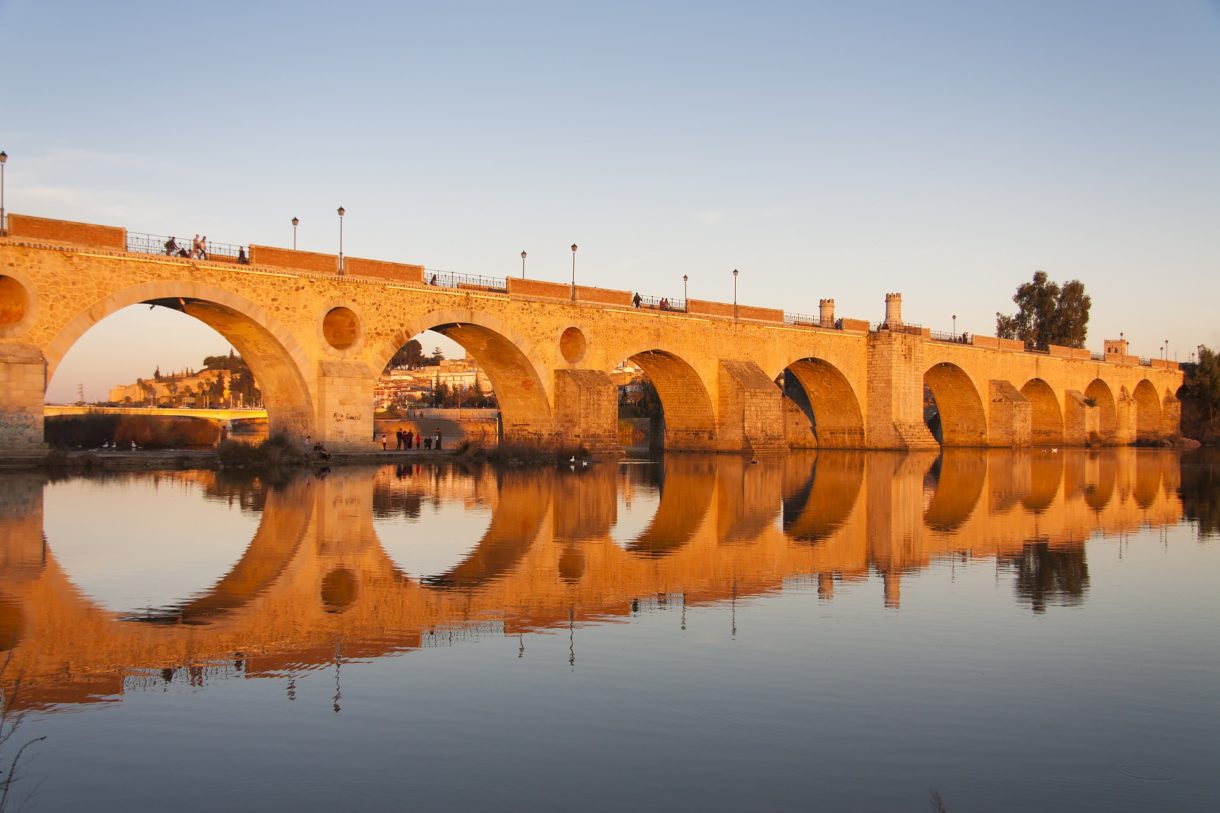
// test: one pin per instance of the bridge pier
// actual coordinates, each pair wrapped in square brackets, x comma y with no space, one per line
[345,408]
[586,410]
[1081,422]
[751,412]
[1010,422]
[894,419]
[23,381]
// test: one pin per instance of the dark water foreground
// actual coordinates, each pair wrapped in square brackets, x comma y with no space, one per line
[1033,631]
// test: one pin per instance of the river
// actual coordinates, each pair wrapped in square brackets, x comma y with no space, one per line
[1007,631]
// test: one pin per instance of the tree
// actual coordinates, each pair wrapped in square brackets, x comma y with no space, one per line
[1202,385]
[410,355]
[1047,314]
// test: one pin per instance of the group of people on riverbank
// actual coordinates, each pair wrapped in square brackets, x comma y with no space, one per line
[407,439]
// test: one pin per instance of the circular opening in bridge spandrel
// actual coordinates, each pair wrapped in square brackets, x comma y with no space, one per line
[341,328]
[13,301]
[573,345]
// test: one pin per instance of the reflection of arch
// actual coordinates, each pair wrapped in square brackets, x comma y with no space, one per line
[838,422]
[525,499]
[747,499]
[1097,495]
[286,515]
[271,351]
[1147,412]
[1046,418]
[687,406]
[825,501]
[506,357]
[686,496]
[1107,411]
[1147,478]
[1045,473]
[962,420]
[962,473]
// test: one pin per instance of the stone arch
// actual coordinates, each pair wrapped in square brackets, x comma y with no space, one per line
[1107,409]
[690,420]
[273,353]
[1046,416]
[838,422]
[509,360]
[1147,412]
[962,419]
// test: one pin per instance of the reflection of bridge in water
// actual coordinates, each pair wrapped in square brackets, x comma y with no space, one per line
[315,580]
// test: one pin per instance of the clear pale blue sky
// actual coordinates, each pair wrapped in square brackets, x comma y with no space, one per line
[945,150]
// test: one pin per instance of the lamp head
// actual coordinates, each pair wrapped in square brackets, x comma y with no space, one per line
[523,255]
[342,211]
[296,221]
[573,248]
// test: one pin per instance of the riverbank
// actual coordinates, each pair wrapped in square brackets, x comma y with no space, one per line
[172,459]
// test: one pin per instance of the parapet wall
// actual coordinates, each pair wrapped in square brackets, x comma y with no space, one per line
[67,231]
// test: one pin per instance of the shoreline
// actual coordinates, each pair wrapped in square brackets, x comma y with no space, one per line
[177,459]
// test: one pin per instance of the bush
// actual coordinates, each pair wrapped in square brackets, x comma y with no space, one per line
[275,451]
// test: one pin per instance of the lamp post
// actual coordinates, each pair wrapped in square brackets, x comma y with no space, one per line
[523,256]
[3,222]
[955,326]
[685,297]
[296,221]
[1167,350]
[342,212]
[573,273]
[734,294]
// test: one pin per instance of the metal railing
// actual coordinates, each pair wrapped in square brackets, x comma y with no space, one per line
[952,338]
[803,319]
[172,246]
[450,279]
[904,327]
[662,303]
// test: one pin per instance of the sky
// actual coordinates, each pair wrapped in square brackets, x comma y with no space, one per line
[944,150]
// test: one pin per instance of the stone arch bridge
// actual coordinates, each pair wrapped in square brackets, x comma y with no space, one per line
[316,340]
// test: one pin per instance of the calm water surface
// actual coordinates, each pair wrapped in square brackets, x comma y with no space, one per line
[1032,631]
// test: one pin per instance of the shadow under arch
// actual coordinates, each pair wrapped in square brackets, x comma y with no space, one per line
[1046,418]
[958,488]
[962,419]
[1147,412]
[686,485]
[686,404]
[510,362]
[286,516]
[524,502]
[1107,409]
[824,502]
[838,422]
[272,352]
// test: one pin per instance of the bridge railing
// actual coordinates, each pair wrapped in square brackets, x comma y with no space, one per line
[802,319]
[655,303]
[904,327]
[952,338]
[451,279]
[140,243]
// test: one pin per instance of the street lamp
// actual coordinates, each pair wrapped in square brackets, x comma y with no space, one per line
[296,221]
[342,212]
[734,294]
[1167,350]
[955,326]
[685,298]
[573,273]
[3,222]
[523,256]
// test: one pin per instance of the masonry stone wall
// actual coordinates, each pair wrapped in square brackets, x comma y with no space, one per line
[714,373]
